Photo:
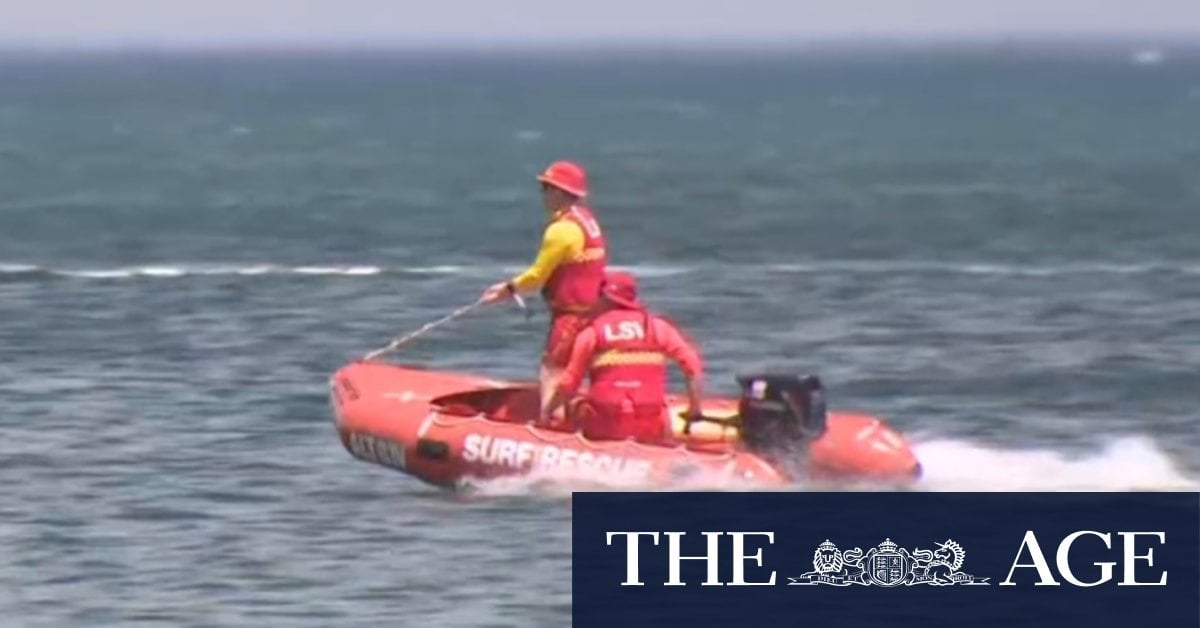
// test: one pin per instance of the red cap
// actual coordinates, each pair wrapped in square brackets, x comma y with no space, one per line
[567,176]
[621,288]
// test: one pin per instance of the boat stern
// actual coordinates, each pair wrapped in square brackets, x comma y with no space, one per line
[862,446]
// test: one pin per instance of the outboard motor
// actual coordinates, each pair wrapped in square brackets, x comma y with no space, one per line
[779,411]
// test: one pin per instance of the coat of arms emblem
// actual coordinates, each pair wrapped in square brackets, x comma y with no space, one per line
[888,565]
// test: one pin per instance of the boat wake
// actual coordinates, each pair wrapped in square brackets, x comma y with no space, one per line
[1133,463]
[1125,464]
[19,271]
[551,485]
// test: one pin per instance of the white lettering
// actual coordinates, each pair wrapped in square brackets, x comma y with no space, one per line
[377,450]
[1130,579]
[626,330]
[518,454]
[631,554]
[739,556]
[1064,559]
[1039,562]
[549,457]
[508,452]
[487,451]
[524,453]
[712,558]
[471,447]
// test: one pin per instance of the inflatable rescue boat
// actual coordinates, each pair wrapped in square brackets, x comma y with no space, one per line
[450,429]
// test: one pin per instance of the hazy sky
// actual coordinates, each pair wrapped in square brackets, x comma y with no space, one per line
[190,22]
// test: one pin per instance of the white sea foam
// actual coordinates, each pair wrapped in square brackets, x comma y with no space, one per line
[648,271]
[1125,464]
[1130,463]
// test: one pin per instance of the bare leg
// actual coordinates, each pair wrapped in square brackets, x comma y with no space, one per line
[548,377]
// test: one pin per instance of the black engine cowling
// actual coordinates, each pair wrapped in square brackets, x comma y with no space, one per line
[778,410]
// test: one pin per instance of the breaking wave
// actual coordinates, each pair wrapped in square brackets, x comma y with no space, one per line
[19,271]
[174,271]
[983,268]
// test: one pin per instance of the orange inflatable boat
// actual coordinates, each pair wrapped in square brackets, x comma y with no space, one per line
[450,429]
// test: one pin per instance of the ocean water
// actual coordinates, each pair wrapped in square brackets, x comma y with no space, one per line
[996,250]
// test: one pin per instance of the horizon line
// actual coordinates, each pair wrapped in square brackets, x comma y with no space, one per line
[617,44]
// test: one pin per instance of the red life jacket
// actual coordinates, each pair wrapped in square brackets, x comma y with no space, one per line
[575,285]
[628,363]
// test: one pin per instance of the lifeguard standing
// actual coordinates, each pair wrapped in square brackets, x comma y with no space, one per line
[569,268]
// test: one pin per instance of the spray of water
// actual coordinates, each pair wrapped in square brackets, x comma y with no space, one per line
[1125,464]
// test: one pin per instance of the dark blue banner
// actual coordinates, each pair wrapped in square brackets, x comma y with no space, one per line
[886,559]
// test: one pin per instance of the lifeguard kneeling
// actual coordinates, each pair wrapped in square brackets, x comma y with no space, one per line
[623,350]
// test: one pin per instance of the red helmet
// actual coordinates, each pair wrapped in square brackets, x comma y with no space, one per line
[567,176]
[621,289]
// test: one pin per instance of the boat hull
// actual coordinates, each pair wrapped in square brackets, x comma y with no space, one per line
[450,429]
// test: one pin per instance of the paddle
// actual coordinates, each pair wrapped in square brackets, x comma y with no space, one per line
[397,342]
